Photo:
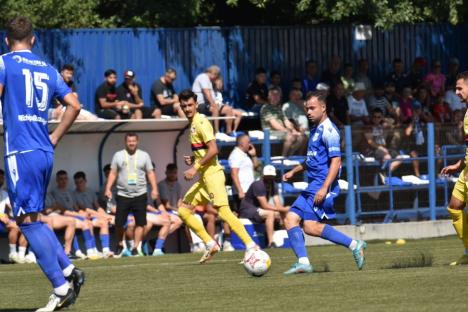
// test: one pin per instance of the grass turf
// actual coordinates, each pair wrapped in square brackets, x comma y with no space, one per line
[395,278]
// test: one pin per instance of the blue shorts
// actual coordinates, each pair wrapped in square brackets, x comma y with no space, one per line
[3,229]
[159,212]
[305,208]
[28,176]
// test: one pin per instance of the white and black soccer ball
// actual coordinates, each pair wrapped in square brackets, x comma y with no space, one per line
[257,262]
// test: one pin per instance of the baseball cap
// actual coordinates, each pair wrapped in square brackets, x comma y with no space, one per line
[269,170]
[359,86]
[322,86]
[129,74]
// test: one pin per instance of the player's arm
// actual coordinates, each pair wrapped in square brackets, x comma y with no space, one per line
[110,181]
[154,186]
[335,164]
[208,97]
[236,182]
[72,111]
[297,169]
[457,167]
[163,101]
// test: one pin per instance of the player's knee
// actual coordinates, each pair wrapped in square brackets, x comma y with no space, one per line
[290,221]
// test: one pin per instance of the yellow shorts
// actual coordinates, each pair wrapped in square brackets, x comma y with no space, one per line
[209,189]
[460,189]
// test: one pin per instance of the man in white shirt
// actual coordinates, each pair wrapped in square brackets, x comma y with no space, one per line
[243,160]
[203,88]
[357,105]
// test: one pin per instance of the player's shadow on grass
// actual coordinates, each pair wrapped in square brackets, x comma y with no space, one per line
[17,310]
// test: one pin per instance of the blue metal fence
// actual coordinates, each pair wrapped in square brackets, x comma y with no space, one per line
[237,50]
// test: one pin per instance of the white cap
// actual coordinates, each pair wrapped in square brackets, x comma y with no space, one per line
[359,86]
[269,170]
[322,86]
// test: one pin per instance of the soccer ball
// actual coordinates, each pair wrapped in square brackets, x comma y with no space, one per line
[257,262]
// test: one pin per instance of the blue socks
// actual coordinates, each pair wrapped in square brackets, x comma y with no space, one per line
[296,238]
[89,240]
[104,240]
[329,233]
[45,250]
[159,243]
[76,245]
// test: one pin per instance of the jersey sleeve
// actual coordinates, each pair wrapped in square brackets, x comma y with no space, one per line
[331,139]
[206,131]
[61,89]
[148,164]
[2,71]
[115,162]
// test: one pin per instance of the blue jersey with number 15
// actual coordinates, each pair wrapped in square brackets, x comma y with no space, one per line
[29,84]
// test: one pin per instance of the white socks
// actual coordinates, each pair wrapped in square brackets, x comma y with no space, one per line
[12,248]
[353,245]
[251,245]
[68,270]
[21,251]
[303,260]
[210,244]
[62,290]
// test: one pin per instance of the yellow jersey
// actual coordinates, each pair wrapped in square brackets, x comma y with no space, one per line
[201,132]
[465,130]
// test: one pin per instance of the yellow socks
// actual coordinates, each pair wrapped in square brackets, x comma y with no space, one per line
[237,227]
[460,223]
[194,224]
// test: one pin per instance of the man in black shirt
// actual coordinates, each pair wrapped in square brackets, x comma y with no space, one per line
[129,93]
[337,106]
[164,97]
[398,75]
[331,76]
[255,205]
[107,105]
[257,92]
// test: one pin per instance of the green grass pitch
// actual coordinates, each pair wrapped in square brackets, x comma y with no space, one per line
[179,283]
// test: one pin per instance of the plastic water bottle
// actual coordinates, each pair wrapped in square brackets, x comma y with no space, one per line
[109,206]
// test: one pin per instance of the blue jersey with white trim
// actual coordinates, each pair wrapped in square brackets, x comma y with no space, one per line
[323,145]
[29,84]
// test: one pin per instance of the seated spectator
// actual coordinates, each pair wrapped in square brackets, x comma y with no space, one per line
[455,135]
[424,100]
[164,96]
[452,99]
[398,75]
[405,110]
[67,72]
[415,76]
[275,80]
[107,105]
[337,106]
[310,80]
[295,112]
[379,101]
[156,215]
[374,142]
[272,116]
[435,80]
[129,94]
[323,88]
[203,88]
[440,110]
[87,203]
[296,83]
[391,95]
[331,76]
[256,204]
[358,113]
[257,92]
[242,161]
[64,202]
[225,109]
[9,227]
[414,141]
[362,75]
[452,72]
[347,78]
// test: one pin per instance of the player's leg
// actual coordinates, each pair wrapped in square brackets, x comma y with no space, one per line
[238,115]
[139,213]
[267,217]
[164,222]
[58,222]
[13,233]
[459,217]
[90,242]
[176,223]
[102,224]
[121,219]
[292,223]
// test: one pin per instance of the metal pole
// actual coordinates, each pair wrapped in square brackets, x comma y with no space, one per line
[431,170]
[266,147]
[350,200]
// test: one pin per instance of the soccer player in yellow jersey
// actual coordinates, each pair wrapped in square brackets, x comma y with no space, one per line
[210,188]
[459,198]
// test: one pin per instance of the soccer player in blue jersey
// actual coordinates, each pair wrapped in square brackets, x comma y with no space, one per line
[27,86]
[323,164]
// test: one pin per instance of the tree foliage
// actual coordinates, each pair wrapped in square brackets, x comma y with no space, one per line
[188,13]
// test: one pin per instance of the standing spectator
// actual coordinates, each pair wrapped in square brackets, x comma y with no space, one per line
[310,80]
[332,75]
[257,92]
[164,96]
[225,109]
[107,105]
[452,72]
[203,88]
[272,116]
[415,76]
[132,169]
[406,105]
[337,106]
[275,80]
[242,161]
[295,112]
[453,100]
[362,75]
[357,105]
[256,207]
[435,80]
[398,75]
[129,93]
[347,78]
